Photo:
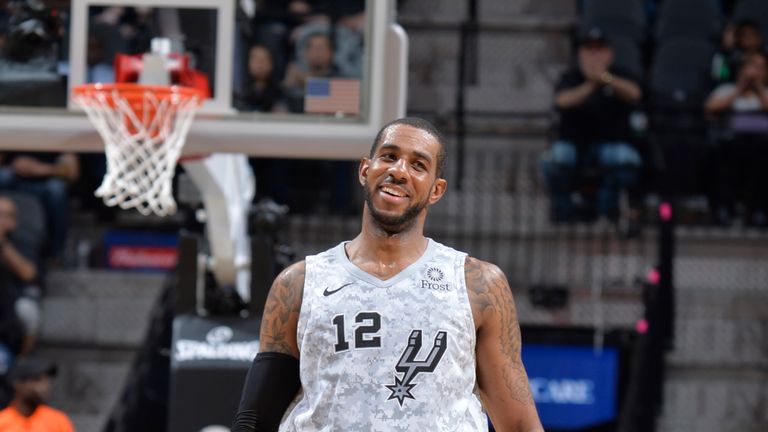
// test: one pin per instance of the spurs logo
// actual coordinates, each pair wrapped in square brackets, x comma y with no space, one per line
[410,367]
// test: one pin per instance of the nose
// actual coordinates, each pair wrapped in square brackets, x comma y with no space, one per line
[398,170]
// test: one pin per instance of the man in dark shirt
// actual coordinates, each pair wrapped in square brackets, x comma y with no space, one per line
[594,100]
[47,176]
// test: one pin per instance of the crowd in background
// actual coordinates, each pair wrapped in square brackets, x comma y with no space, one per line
[288,42]
[637,116]
[278,46]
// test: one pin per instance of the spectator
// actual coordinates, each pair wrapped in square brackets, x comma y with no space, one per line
[747,94]
[747,40]
[348,18]
[263,91]
[31,380]
[46,176]
[594,100]
[743,151]
[721,61]
[18,275]
[11,336]
[314,59]
[275,24]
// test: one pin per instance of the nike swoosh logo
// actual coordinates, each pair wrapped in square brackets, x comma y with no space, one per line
[328,292]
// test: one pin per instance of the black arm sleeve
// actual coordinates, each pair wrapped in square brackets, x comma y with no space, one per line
[271,385]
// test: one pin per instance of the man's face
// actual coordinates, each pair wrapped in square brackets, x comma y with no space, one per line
[33,391]
[318,53]
[755,68]
[260,63]
[595,54]
[750,39]
[7,215]
[400,180]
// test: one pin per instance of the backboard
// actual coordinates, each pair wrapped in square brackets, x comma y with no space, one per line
[338,72]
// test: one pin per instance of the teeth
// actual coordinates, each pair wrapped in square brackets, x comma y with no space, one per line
[392,191]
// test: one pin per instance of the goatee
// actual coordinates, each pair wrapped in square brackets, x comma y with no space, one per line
[394,224]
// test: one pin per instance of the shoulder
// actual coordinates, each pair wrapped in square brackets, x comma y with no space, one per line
[724,88]
[482,276]
[292,277]
[570,78]
[54,417]
[487,287]
[6,414]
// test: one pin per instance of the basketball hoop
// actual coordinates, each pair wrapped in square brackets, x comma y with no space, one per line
[144,128]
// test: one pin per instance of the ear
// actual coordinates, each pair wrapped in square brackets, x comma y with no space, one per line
[438,190]
[362,171]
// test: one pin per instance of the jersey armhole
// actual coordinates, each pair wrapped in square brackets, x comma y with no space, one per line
[461,271]
[305,311]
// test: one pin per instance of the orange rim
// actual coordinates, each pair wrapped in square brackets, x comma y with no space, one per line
[136,92]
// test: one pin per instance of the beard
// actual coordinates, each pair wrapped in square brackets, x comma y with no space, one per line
[394,224]
[33,399]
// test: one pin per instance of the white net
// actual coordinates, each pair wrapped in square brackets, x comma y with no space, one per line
[144,129]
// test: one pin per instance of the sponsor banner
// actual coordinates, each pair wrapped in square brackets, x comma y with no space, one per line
[214,341]
[210,357]
[574,387]
[141,250]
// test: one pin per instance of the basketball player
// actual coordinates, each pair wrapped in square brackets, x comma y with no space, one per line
[391,330]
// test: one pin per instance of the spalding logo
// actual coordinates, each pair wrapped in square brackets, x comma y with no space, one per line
[218,345]
[219,335]
[214,428]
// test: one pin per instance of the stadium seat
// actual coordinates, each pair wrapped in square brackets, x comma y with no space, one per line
[617,18]
[679,84]
[689,19]
[755,10]
[628,55]
[680,71]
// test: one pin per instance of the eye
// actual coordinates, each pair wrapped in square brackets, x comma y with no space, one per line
[389,157]
[420,166]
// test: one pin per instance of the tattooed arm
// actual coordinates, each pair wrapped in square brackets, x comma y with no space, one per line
[273,379]
[501,377]
[281,312]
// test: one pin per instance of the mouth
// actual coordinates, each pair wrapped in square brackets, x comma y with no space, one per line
[393,193]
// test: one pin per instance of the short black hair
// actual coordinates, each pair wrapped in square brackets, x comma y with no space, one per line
[418,123]
[748,23]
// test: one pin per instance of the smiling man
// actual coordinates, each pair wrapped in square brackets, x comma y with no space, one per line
[391,330]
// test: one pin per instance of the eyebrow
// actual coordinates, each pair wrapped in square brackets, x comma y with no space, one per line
[421,154]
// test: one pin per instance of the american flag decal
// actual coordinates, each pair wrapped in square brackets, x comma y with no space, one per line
[332,95]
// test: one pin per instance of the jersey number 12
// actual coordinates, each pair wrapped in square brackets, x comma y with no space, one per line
[365,335]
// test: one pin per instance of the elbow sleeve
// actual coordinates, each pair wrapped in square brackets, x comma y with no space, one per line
[270,386]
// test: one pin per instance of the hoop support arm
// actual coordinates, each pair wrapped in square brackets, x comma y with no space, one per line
[227,186]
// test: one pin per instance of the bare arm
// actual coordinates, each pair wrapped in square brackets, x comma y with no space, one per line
[626,89]
[501,376]
[68,167]
[574,96]
[762,94]
[281,312]
[719,101]
[24,269]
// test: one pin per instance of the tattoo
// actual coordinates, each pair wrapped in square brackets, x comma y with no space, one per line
[491,299]
[281,312]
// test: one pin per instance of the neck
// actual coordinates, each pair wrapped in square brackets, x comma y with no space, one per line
[25,409]
[383,252]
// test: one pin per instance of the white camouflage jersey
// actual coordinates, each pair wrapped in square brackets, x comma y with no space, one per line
[394,355]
